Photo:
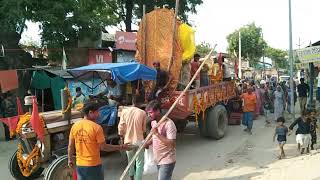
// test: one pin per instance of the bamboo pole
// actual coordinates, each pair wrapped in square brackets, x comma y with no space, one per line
[173,35]
[144,34]
[163,119]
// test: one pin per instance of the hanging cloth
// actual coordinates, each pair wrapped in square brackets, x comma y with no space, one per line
[8,80]
[40,80]
[57,83]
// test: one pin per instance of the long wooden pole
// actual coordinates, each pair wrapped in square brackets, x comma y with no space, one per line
[144,35]
[173,35]
[166,115]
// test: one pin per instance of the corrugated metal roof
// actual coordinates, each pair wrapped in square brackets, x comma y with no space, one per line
[53,70]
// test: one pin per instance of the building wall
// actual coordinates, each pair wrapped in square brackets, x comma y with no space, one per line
[77,57]
[125,56]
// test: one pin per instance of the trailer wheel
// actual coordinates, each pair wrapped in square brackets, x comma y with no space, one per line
[217,122]
[59,170]
[15,169]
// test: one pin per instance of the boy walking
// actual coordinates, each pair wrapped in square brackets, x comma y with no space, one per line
[303,136]
[250,101]
[281,132]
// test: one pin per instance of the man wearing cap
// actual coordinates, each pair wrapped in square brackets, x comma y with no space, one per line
[162,82]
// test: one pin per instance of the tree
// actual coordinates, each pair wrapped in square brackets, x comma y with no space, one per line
[13,15]
[252,44]
[203,49]
[278,56]
[129,11]
[63,22]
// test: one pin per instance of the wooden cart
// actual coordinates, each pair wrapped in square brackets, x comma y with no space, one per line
[52,160]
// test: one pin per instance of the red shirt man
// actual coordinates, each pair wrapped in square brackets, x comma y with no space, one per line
[194,67]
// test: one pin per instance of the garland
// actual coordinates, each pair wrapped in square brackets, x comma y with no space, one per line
[203,106]
[199,106]
[23,119]
[196,108]
[28,166]
[69,101]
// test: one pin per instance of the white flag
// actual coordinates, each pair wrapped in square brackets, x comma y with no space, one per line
[2,51]
[64,59]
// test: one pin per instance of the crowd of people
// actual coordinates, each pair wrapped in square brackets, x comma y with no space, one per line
[271,99]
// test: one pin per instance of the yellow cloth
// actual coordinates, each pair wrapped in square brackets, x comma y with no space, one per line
[186,34]
[88,136]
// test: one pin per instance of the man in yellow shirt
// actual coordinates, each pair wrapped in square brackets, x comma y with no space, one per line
[86,139]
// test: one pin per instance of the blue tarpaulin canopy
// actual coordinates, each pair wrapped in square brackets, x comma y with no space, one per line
[120,72]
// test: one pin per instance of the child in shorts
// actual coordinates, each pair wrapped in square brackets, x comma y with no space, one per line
[281,132]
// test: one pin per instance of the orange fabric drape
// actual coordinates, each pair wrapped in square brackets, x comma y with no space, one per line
[158,43]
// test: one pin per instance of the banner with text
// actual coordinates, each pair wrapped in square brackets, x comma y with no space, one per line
[309,55]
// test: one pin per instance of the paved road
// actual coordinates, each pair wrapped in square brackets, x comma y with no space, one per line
[236,156]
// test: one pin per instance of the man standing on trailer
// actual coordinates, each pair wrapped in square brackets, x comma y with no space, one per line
[194,67]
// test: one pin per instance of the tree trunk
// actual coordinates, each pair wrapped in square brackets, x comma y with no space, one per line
[129,10]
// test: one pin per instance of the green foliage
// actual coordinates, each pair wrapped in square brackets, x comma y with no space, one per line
[252,44]
[278,56]
[13,14]
[65,22]
[203,49]
[129,11]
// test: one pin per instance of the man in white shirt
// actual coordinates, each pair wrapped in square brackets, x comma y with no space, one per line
[226,71]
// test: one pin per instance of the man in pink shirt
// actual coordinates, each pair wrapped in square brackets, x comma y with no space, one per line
[195,64]
[132,129]
[163,141]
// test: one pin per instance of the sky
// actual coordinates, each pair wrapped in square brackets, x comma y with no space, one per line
[218,18]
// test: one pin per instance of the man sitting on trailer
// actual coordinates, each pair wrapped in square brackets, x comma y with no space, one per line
[86,139]
[113,92]
[162,82]
[79,98]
